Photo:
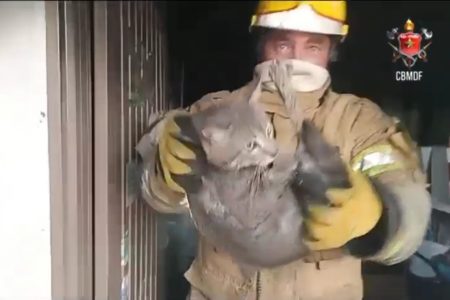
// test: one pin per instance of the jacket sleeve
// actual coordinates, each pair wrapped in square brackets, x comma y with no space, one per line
[385,152]
[153,187]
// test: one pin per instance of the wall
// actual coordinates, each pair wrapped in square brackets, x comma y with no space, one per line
[24,174]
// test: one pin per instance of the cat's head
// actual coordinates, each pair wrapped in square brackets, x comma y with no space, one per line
[240,136]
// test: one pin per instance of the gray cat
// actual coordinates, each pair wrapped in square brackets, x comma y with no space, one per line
[249,197]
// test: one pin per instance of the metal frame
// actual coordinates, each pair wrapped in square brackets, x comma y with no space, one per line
[70,147]
[93,127]
[107,169]
[130,84]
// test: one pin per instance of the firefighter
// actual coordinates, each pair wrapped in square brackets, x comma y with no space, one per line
[381,218]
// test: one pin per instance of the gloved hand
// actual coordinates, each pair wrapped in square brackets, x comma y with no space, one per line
[353,213]
[176,147]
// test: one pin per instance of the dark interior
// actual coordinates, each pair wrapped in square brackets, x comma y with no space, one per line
[212,41]
[211,49]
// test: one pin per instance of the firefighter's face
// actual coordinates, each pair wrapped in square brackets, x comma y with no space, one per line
[311,47]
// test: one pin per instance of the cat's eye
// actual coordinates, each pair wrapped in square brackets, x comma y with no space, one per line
[251,145]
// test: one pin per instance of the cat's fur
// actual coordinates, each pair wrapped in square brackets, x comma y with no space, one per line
[249,202]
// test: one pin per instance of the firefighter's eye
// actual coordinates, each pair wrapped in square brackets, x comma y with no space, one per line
[283,46]
[314,48]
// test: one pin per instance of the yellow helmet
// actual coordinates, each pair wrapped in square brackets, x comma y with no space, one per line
[327,17]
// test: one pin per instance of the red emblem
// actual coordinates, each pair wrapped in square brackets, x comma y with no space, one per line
[409,43]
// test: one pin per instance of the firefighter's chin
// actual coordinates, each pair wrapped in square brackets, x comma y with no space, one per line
[305,76]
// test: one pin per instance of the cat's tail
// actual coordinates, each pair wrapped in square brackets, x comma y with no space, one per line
[281,74]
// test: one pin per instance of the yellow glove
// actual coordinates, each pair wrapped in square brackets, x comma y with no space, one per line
[353,213]
[172,150]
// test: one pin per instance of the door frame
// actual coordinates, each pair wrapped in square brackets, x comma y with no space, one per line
[70,115]
[107,168]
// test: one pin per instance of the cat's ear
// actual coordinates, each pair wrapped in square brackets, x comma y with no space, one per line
[215,134]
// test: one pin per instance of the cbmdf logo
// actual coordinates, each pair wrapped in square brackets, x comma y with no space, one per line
[409,47]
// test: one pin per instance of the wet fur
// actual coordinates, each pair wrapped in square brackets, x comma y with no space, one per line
[253,208]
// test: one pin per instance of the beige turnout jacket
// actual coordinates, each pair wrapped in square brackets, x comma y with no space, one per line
[366,138]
